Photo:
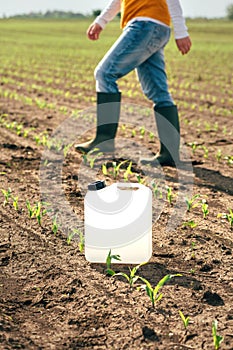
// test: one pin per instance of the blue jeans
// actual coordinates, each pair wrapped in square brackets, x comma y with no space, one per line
[141,47]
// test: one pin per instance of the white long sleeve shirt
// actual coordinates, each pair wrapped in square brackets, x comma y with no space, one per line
[175,10]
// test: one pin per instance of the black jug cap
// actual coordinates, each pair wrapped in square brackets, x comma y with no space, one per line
[97,185]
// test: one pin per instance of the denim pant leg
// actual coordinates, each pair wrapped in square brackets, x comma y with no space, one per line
[138,41]
[153,79]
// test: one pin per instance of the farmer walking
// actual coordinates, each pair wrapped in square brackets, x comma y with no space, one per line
[146,31]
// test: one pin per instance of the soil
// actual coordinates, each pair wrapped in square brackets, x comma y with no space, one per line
[52,298]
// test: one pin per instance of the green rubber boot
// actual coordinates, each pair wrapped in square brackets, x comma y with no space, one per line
[168,126]
[108,114]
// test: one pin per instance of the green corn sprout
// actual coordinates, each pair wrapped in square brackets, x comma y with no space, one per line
[81,242]
[7,195]
[15,202]
[191,203]
[204,208]
[206,151]
[169,195]
[228,217]
[151,136]
[104,169]
[216,338]
[156,191]
[190,223]
[31,210]
[39,212]
[142,131]
[219,155]
[116,168]
[109,259]
[133,133]
[153,293]
[184,319]
[132,277]
[128,172]
[55,225]
[140,179]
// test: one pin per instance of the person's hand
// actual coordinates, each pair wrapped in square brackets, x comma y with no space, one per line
[93,31]
[184,44]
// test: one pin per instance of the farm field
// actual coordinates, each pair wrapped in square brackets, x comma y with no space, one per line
[50,296]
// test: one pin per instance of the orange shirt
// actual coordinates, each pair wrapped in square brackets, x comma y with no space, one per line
[156,9]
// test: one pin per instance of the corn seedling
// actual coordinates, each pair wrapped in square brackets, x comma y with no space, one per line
[39,212]
[31,210]
[153,293]
[194,146]
[36,211]
[184,319]
[116,168]
[55,225]
[104,169]
[7,195]
[216,338]
[133,133]
[92,156]
[142,131]
[219,155]
[81,242]
[132,277]
[109,259]
[169,195]
[70,237]
[229,160]
[204,208]
[140,179]
[156,191]
[128,172]
[190,223]
[15,202]
[151,136]
[206,152]
[192,203]
[228,217]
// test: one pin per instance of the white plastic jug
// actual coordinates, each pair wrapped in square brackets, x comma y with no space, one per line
[118,217]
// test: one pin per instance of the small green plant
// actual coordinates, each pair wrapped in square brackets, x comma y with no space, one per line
[7,195]
[92,156]
[132,277]
[55,225]
[156,191]
[39,212]
[228,217]
[206,152]
[116,168]
[194,146]
[192,202]
[36,211]
[184,319]
[133,133]
[229,160]
[15,202]
[31,210]
[190,223]
[140,179]
[154,293]
[169,195]
[219,155]
[204,208]
[81,242]
[128,172]
[142,131]
[104,169]
[216,338]
[109,259]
